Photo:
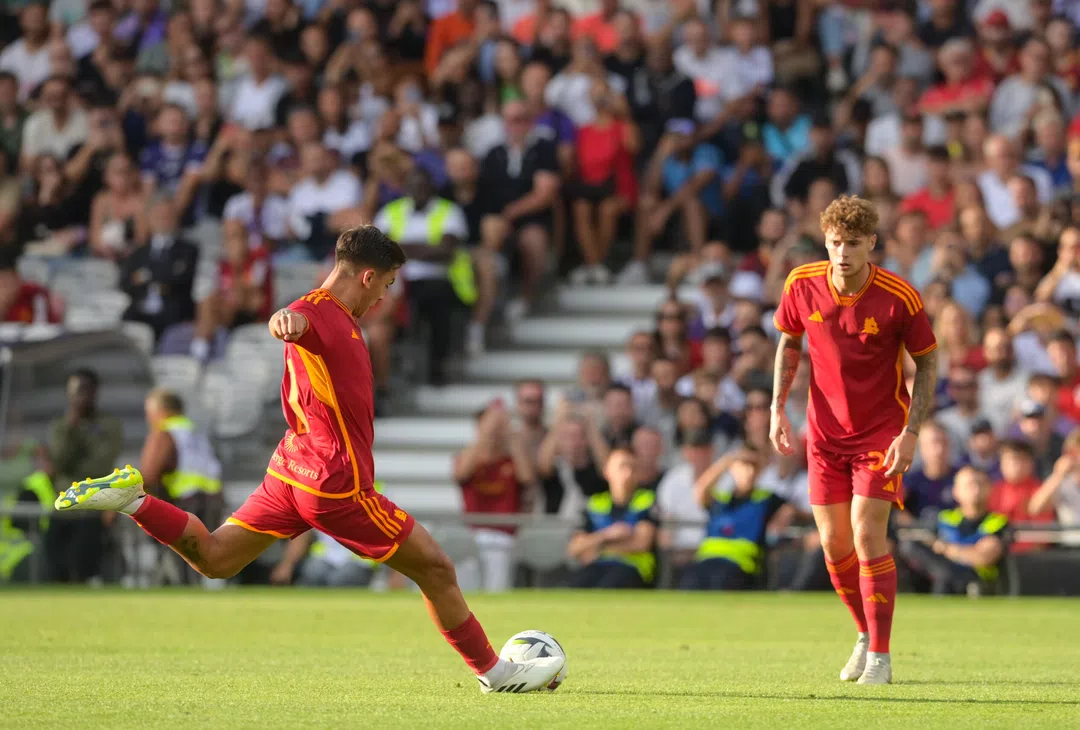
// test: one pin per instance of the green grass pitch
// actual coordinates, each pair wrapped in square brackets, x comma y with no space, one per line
[254,658]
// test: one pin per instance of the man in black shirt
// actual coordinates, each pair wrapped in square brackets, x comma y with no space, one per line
[822,160]
[659,93]
[629,53]
[519,181]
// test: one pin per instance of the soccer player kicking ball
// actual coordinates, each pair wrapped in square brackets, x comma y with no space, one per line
[321,475]
[862,425]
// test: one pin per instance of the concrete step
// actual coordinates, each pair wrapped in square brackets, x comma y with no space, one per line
[641,299]
[425,467]
[508,366]
[466,399]
[419,433]
[608,332]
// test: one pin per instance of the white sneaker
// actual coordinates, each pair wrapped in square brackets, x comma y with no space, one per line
[579,276]
[599,274]
[528,676]
[516,309]
[857,663]
[635,273]
[108,494]
[878,669]
[474,339]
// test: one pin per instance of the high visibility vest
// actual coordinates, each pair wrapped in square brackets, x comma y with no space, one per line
[460,271]
[14,545]
[319,547]
[734,531]
[197,468]
[949,531]
[600,509]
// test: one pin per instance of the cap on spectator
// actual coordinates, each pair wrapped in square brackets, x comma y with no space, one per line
[697,437]
[997,19]
[746,285]
[680,126]
[981,425]
[712,271]
[1032,409]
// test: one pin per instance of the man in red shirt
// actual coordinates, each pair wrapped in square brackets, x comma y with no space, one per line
[322,473]
[25,301]
[447,32]
[1019,483]
[862,425]
[936,201]
[1062,351]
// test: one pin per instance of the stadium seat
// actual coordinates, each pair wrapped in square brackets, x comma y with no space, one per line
[40,332]
[457,541]
[110,304]
[84,319]
[97,274]
[234,403]
[141,334]
[294,280]
[11,331]
[176,372]
[34,268]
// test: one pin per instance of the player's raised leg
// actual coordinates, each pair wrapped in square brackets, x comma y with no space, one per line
[877,580]
[219,554]
[838,542]
[421,559]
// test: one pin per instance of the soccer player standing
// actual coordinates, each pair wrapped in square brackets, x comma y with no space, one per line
[858,320]
[322,474]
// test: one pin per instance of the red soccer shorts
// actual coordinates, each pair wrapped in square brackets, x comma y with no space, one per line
[834,478]
[368,523]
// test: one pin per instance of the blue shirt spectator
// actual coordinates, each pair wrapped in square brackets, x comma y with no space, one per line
[677,171]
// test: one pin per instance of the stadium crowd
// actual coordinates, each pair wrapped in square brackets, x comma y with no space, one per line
[691,142]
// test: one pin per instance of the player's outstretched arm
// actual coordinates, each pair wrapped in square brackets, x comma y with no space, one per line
[788,354]
[288,325]
[902,451]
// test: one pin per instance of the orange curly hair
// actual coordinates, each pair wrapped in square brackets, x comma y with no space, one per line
[852,215]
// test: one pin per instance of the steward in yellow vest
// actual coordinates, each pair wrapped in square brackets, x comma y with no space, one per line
[21,485]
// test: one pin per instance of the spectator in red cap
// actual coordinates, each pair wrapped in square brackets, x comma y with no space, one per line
[996,56]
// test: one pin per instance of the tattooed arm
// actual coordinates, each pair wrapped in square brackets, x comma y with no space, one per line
[922,396]
[788,354]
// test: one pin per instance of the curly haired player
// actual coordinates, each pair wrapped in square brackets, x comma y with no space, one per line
[322,474]
[858,320]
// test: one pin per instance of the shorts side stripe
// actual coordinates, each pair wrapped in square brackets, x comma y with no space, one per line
[246,526]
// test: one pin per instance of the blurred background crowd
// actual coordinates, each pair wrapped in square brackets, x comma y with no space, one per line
[650,170]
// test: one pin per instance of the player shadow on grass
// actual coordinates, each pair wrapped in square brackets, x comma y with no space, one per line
[831,698]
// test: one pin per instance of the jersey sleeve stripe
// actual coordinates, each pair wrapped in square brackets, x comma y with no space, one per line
[785,331]
[906,287]
[899,295]
[923,352]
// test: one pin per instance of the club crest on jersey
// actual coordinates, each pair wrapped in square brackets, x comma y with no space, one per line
[869,326]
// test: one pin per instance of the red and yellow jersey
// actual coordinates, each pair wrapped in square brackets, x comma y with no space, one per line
[326,395]
[858,395]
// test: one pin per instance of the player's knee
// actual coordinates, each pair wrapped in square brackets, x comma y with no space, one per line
[439,573]
[870,541]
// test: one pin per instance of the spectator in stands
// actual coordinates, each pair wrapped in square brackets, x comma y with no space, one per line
[520,181]
[1001,384]
[86,165]
[676,501]
[1061,490]
[496,476]
[159,275]
[49,217]
[961,90]
[1002,162]
[430,229]
[733,550]
[982,449]
[28,57]
[618,416]
[1062,285]
[25,301]
[605,188]
[529,412]
[659,411]
[172,165]
[1035,426]
[823,159]
[615,542]
[593,379]
[640,351]
[259,90]
[83,441]
[673,336]
[10,202]
[568,459]
[244,293]
[57,127]
[323,562]
[178,462]
[1062,352]
[937,199]
[263,214]
[12,118]
[1019,97]
[971,540]
[907,161]
[324,191]
[958,419]
[659,93]
[448,31]
[119,220]
[648,447]
[1012,495]
[684,178]
[927,488]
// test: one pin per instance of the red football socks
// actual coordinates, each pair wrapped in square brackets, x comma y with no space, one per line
[472,643]
[845,579]
[877,578]
[162,521]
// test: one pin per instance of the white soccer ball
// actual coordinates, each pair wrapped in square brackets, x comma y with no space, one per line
[533,644]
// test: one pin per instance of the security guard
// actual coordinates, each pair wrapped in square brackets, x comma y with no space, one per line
[438,273]
[178,461]
[323,562]
[21,484]
[971,540]
[617,539]
[733,551]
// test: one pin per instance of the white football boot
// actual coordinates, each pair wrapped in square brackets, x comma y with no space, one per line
[878,669]
[526,676]
[857,663]
[111,493]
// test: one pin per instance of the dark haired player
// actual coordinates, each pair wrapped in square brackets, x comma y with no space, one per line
[862,425]
[321,475]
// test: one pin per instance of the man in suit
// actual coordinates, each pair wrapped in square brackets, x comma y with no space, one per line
[159,275]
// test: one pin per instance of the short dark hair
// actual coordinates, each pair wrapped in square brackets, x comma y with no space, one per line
[938,153]
[8,76]
[718,333]
[90,376]
[756,330]
[619,388]
[367,246]
[99,5]
[1063,336]
[1018,446]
